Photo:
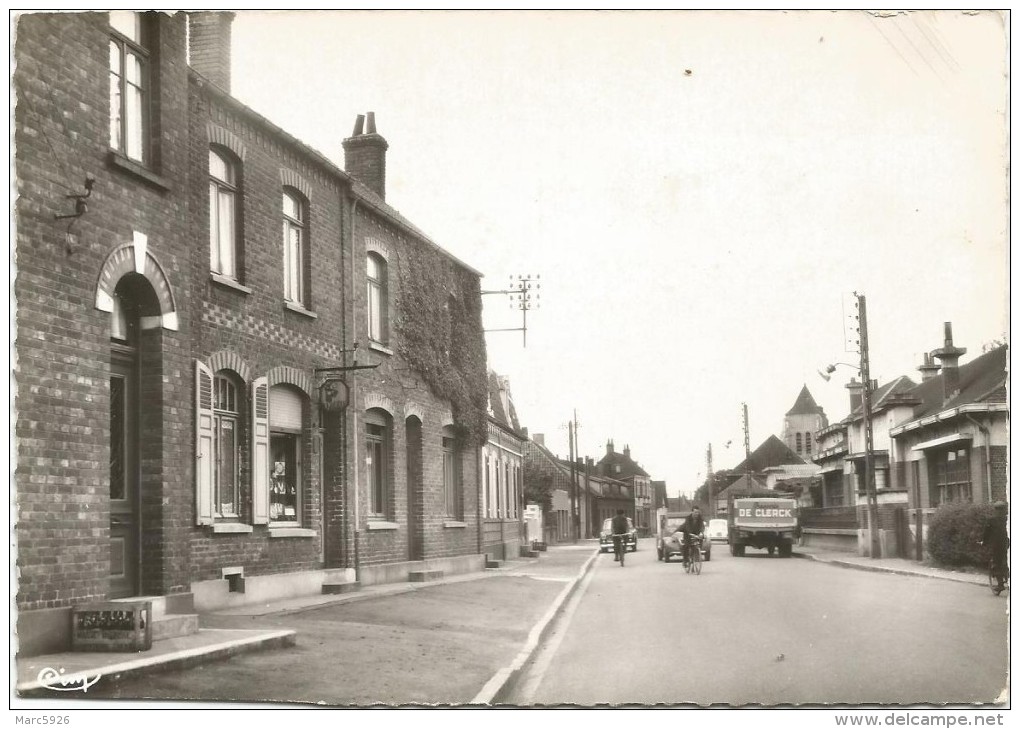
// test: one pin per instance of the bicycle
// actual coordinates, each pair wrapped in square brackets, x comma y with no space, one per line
[692,564]
[993,577]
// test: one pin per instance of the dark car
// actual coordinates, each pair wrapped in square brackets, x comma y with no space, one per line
[606,536]
[669,542]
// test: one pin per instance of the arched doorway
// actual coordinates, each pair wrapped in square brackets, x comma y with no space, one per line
[134,305]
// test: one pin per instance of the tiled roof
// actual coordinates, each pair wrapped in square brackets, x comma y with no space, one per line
[805,404]
[772,452]
[983,379]
[507,419]
[742,485]
[900,388]
[628,466]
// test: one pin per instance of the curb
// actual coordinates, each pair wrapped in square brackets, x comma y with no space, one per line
[497,685]
[156,664]
[887,570]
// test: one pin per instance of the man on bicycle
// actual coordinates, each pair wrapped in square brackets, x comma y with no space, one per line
[694,524]
[620,529]
[997,540]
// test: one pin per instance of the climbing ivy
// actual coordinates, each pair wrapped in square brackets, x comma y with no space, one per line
[440,327]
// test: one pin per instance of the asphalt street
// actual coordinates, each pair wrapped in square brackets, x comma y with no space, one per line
[761,630]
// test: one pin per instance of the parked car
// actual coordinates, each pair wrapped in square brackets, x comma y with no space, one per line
[718,530]
[669,542]
[606,536]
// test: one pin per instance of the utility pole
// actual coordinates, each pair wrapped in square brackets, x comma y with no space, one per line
[869,443]
[577,454]
[747,452]
[573,481]
[711,500]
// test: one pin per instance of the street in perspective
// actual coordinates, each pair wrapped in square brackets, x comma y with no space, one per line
[511,359]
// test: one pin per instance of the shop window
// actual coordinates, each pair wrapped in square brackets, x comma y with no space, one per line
[285,456]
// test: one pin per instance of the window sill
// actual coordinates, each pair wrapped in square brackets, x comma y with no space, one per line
[381,526]
[228,282]
[378,347]
[454,525]
[116,159]
[298,309]
[281,532]
[232,527]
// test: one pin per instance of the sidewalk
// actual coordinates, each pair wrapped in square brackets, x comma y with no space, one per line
[457,640]
[892,565]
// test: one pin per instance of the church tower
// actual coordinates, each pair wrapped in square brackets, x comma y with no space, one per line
[801,423]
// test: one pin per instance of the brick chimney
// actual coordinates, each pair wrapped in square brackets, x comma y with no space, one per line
[929,369]
[609,447]
[209,46]
[949,356]
[365,155]
[856,394]
[539,439]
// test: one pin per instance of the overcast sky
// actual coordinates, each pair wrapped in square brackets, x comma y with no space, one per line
[698,191]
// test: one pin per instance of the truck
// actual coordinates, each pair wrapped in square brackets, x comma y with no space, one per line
[763,521]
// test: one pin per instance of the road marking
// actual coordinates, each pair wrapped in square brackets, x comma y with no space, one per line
[502,677]
[535,673]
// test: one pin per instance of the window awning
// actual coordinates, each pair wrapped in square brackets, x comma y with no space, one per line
[944,440]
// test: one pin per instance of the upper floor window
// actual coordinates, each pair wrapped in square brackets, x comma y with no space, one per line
[295,243]
[129,85]
[222,214]
[377,319]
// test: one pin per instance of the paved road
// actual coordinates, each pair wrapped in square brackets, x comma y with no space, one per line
[762,630]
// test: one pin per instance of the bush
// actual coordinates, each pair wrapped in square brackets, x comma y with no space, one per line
[954,533]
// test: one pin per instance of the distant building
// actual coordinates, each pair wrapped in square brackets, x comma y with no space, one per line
[622,467]
[502,468]
[801,423]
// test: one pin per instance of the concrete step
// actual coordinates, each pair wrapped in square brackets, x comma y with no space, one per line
[340,588]
[525,552]
[424,575]
[174,626]
[493,564]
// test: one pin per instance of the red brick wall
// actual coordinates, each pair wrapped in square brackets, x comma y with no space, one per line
[63,346]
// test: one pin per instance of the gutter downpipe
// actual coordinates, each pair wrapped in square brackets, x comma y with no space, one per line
[987,433]
[354,411]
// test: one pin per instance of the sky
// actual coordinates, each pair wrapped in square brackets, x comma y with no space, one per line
[698,192]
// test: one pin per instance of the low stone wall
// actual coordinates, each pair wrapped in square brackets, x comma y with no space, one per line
[841,540]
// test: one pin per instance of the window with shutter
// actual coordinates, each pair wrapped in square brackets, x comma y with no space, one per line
[260,450]
[204,452]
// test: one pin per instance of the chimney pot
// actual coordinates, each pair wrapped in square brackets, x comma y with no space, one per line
[365,156]
[359,126]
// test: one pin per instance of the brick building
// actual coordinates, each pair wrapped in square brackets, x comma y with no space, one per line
[190,425]
[502,475]
[622,467]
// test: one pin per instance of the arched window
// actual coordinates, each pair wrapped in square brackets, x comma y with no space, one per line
[223,217]
[377,471]
[295,243]
[377,294]
[800,447]
[807,442]
[452,475]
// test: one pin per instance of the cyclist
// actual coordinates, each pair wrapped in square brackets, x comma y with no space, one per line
[694,524]
[620,529]
[997,540]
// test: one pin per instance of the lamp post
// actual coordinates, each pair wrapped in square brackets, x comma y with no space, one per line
[871,493]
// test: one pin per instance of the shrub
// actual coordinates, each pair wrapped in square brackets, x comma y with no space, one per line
[955,531]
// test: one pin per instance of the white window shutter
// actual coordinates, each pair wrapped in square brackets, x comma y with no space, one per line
[204,454]
[260,450]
